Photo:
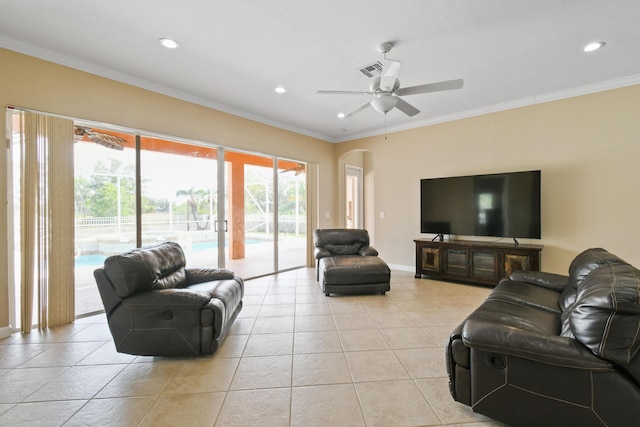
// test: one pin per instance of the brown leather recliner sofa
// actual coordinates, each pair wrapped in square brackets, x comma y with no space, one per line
[156,306]
[548,349]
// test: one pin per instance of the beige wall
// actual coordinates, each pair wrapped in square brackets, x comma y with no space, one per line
[39,85]
[587,147]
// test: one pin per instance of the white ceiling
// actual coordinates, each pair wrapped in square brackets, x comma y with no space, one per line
[234,52]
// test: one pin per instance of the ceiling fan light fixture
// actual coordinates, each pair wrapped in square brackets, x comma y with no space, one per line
[169,43]
[341,115]
[591,47]
[384,104]
[280,89]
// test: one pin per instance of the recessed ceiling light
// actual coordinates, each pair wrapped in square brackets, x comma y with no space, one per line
[280,89]
[169,43]
[593,46]
[341,115]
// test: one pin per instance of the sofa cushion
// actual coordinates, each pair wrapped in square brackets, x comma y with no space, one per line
[526,332]
[145,269]
[354,270]
[341,241]
[344,249]
[542,279]
[226,294]
[606,315]
[168,299]
[580,268]
[526,294]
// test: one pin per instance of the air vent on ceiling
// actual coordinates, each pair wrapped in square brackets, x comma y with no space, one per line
[372,69]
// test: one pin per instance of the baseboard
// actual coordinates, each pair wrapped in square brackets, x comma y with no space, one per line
[402,267]
[6,332]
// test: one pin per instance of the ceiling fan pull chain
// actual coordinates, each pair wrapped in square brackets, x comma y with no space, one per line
[385,126]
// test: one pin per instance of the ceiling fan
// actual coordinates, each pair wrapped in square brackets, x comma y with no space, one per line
[387,90]
[106,140]
[298,169]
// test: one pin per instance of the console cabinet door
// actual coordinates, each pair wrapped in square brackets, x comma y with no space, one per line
[514,261]
[484,266]
[429,259]
[457,262]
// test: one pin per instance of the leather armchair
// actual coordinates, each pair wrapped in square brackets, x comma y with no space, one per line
[157,306]
[347,263]
[330,242]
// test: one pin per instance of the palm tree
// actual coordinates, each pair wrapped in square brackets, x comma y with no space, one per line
[194,198]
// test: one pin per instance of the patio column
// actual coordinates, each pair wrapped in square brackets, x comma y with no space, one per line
[236,210]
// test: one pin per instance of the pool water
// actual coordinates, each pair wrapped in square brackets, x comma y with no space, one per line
[92,260]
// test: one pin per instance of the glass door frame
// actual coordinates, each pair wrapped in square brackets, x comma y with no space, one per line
[13,286]
[355,195]
[221,220]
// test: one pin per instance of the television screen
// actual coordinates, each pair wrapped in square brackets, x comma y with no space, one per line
[500,205]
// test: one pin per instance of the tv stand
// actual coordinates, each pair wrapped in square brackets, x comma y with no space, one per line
[474,262]
[439,237]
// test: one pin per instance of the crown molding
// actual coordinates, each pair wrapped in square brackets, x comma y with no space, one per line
[509,105]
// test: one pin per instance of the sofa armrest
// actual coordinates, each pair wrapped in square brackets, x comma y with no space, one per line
[549,349]
[321,253]
[556,282]
[168,299]
[110,299]
[200,275]
[368,250]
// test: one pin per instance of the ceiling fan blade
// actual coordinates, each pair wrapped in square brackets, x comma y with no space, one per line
[431,87]
[358,109]
[342,92]
[406,108]
[389,75]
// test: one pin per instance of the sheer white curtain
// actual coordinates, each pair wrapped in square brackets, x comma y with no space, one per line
[46,220]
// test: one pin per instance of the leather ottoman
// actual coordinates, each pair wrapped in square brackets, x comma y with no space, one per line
[354,274]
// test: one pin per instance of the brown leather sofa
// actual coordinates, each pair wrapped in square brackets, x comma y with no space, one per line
[546,349]
[156,306]
[347,263]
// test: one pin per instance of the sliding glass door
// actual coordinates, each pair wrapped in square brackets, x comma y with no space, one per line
[292,214]
[250,217]
[179,203]
[227,209]
[105,206]
[266,214]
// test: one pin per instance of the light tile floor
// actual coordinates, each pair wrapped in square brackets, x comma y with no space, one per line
[293,358]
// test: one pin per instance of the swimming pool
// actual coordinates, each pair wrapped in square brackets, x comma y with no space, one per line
[93,260]
[89,260]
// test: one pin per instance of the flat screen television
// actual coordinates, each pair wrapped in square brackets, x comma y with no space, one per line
[499,205]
